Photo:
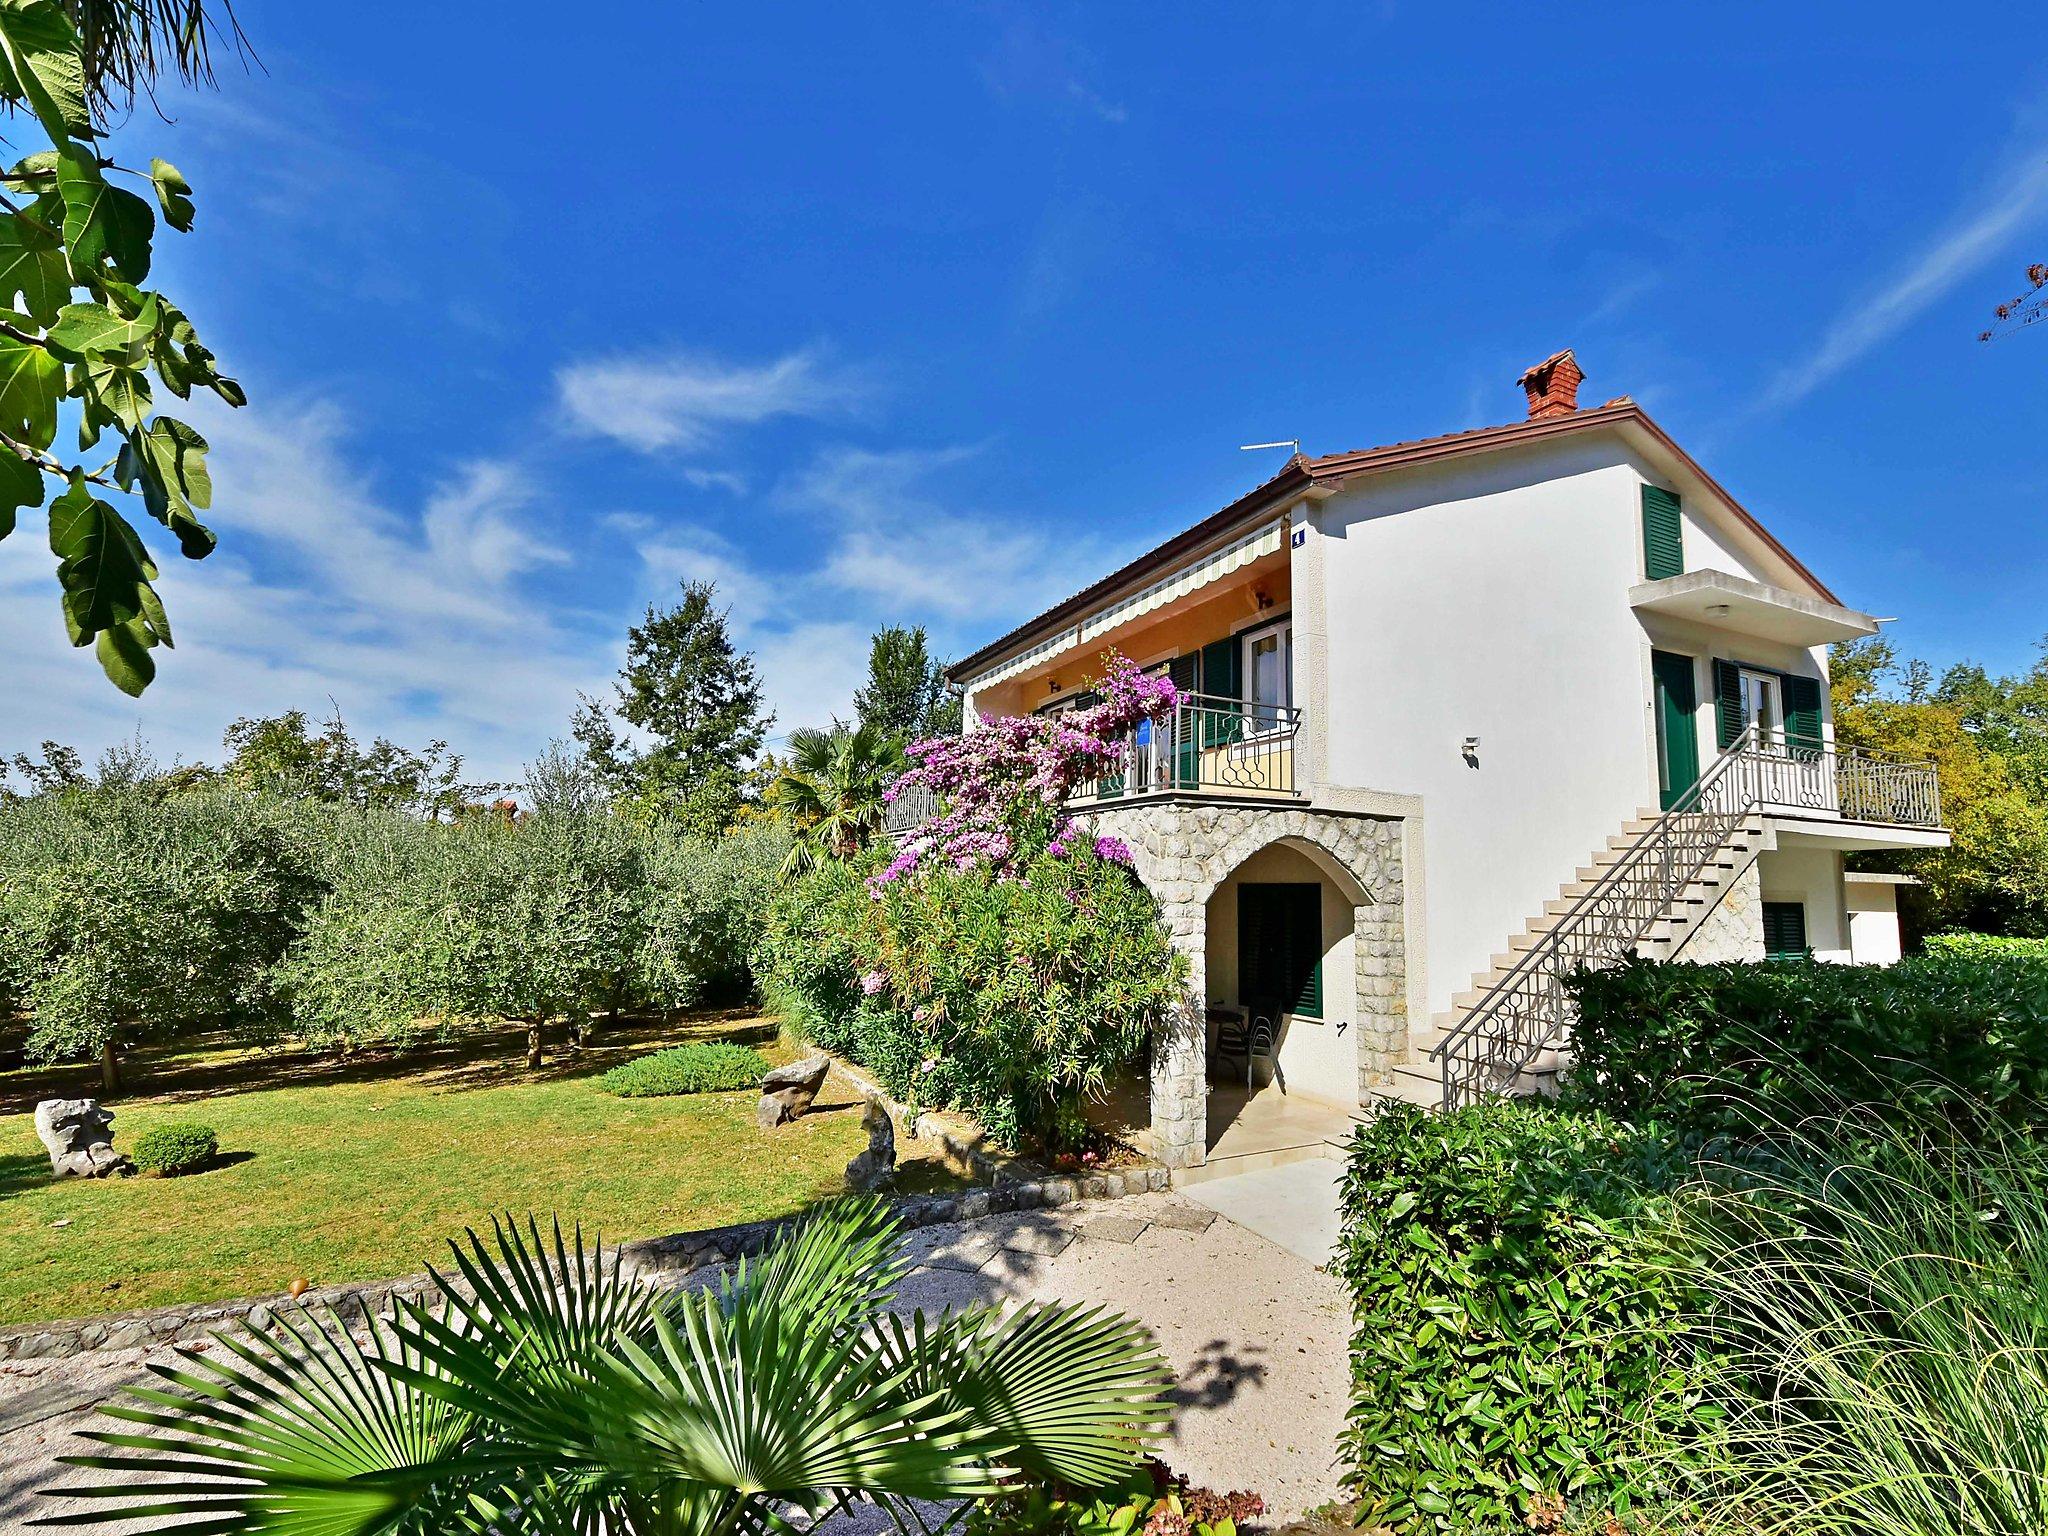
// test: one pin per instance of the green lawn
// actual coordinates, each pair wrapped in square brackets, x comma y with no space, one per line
[359,1170]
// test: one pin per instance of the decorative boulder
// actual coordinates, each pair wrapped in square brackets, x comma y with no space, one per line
[877,1165]
[79,1136]
[787,1091]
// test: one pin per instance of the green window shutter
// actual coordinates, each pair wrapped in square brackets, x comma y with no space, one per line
[1727,702]
[1663,534]
[1222,679]
[1220,669]
[1185,673]
[1802,713]
[1785,929]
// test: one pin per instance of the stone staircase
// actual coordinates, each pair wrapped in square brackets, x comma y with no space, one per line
[1419,1080]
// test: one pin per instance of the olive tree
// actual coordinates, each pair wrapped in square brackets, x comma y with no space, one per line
[129,916]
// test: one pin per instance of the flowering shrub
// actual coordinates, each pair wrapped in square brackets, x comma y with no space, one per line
[1003,961]
[1010,995]
[1005,785]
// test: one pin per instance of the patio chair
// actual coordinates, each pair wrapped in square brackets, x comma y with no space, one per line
[1247,1037]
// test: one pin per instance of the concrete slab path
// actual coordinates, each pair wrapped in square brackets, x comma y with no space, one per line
[1294,1205]
[1255,1333]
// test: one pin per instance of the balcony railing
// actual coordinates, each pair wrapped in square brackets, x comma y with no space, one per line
[1207,745]
[1787,773]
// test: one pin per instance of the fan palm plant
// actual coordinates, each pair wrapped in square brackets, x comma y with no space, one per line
[551,1394]
[832,788]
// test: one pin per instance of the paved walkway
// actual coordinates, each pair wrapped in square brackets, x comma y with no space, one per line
[1294,1205]
[1255,1332]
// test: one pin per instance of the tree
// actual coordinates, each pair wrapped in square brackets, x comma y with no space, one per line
[278,753]
[833,787]
[906,694]
[1988,739]
[567,1396]
[427,928]
[2029,308]
[102,960]
[686,716]
[79,327]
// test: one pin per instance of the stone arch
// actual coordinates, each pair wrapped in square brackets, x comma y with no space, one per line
[1181,852]
[1321,849]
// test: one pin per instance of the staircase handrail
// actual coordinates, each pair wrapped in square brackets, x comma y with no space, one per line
[1661,838]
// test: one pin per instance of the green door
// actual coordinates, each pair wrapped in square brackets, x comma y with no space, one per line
[1678,737]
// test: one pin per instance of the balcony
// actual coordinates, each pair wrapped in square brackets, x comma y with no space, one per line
[1206,746]
[1791,776]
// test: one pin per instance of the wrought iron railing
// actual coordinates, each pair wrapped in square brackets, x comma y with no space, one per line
[913,806]
[1529,1010]
[1209,744]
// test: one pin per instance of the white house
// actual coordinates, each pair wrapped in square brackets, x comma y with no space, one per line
[1461,714]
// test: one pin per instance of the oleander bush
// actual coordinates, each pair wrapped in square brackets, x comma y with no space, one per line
[1705,1049]
[178,1146]
[1009,994]
[1524,1318]
[1986,946]
[707,1067]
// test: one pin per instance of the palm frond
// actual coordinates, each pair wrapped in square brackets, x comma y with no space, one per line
[301,1432]
[1063,1392]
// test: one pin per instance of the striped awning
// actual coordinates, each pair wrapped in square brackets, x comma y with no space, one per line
[1192,577]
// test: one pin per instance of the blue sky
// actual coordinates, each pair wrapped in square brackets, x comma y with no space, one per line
[927,314]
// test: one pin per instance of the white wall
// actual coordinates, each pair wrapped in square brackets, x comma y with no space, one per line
[1488,597]
[1873,922]
[1318,1058]
[1813,878]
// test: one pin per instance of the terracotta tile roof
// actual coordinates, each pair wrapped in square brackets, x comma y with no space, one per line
[1301,472]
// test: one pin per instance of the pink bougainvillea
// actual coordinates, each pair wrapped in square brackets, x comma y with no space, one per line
[1004,786]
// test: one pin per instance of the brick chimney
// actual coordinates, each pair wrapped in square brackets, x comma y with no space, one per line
[1553,385]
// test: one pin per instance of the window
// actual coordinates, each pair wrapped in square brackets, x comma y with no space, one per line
[1785,930]
[1268,674]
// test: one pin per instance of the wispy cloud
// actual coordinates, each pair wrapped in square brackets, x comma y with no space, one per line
[683,401]
[2010,203]
[417,621]
[1032,61]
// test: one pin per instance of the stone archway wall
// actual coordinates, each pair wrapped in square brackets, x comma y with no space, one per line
[1183,851]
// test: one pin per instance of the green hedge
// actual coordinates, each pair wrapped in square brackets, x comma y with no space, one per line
[178,1146]
[1703,1049]
[1520,1316]
[1986,946]
[708,1067]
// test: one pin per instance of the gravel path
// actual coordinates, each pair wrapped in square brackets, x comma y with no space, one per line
[1256,1336]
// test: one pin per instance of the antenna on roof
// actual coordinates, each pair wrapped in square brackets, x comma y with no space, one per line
[1292,442]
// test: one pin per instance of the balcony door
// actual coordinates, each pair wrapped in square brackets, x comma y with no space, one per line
[1268,671]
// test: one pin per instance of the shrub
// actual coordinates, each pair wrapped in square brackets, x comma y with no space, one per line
[1008,996]
[1153,1501]
[1520,1314]
[1986,946]
[178,1146]
[709,1067]
[1704,1049]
